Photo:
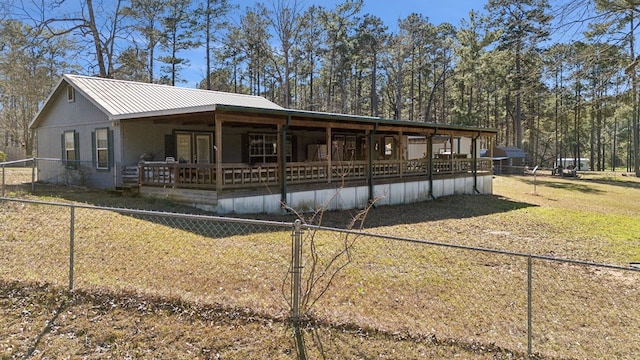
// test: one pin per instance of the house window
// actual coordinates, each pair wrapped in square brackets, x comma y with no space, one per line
[71,94]
[263,148]
[70,155]
[102,149]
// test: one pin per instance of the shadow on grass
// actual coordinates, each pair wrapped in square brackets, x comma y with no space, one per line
[46,330]
[575,185]
[446,207]
[171,214]
[614,182]
[38,304]
[93,311]
[443,208]
[321,339]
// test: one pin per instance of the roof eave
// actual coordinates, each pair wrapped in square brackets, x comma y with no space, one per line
[170,112]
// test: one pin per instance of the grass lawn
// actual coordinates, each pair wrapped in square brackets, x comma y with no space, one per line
[147,287]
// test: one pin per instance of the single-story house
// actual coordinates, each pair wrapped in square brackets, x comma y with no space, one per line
[234,153]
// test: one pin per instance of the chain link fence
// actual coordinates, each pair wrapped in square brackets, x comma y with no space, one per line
[22,175]
[529,304]
[407,288]
[16,175]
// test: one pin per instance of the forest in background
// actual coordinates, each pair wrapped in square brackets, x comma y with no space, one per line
[555,78]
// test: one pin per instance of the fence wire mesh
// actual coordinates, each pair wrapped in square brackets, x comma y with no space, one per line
[402,287]
[34,242]
[585,311]
[203,259]
[16,176]
[409,289]
[483,298]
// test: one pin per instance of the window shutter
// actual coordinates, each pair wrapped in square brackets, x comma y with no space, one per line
[110,148]
[94,159]
[76,144]
[63,154]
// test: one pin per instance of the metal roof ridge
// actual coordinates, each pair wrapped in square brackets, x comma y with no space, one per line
[164,86]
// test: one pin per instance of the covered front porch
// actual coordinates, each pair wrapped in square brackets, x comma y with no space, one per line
[231,155]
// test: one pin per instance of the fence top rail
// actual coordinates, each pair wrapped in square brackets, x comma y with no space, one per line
[471,248]
[281,224]
[16,161]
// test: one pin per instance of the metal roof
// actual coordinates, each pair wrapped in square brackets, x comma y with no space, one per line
[120,99]
[123,99]
[509,151]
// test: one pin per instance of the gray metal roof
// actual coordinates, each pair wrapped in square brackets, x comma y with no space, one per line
[509,152]
[124,99]
[121,99]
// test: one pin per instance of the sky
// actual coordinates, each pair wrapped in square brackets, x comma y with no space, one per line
[438,11]
[390,11]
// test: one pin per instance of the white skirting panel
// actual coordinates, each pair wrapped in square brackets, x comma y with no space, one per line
[354,197]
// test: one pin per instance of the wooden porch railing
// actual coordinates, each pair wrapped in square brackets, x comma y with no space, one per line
[203,176]
[180,175]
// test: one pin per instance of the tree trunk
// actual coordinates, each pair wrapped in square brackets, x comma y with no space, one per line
[96,40]
[374,92]
[517,120]
[634,87]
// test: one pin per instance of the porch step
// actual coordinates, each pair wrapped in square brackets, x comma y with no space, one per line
[130,175]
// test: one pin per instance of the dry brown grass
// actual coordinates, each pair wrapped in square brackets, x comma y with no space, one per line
[172,291]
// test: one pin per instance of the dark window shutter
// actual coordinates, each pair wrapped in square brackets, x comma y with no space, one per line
[63,154]
[76,144]
[110,148]
[94,159]
[170,146]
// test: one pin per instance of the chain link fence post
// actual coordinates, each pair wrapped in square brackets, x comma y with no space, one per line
[33,175]
[529,305]
[71,245]
[3,182]
[296,268]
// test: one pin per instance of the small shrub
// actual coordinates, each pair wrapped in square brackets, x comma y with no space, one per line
[3,157]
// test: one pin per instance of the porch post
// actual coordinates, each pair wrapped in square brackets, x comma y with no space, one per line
[371,133]
[430,156]
[451,162]
[218,154]
[401,153]
[491,139]
[474,154]
[282,134]
[329,152]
